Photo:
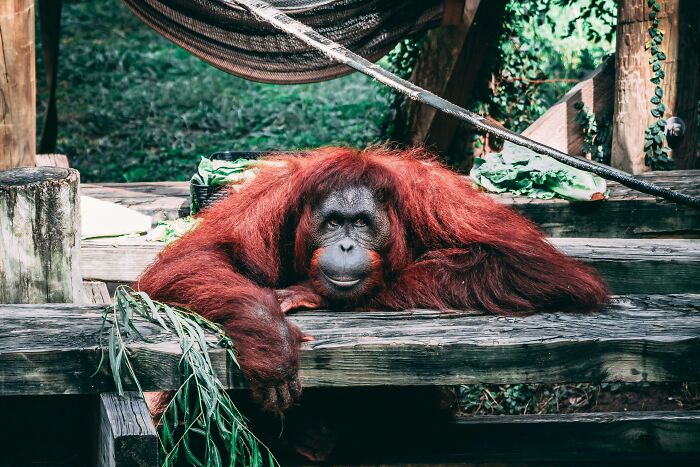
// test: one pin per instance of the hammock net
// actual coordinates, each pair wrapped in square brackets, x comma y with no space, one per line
[233,40]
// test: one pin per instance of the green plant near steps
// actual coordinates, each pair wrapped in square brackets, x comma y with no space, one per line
[200,409]
[657,154]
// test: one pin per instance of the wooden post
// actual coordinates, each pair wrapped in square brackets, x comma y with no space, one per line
[127,436]
[680,22]
[449,65]
[17,84]
[40,236]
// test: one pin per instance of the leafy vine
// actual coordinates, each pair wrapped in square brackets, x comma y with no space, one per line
[657,154]
[597,133]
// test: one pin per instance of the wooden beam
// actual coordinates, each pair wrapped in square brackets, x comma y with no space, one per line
[627,214]
[53,348]
[17,84]
[126,434]
[96,293]
[680,21]
[637,438]
[557,127]
[52,160]
[628,265]
[448,66]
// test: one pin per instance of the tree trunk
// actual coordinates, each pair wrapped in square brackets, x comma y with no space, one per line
[680,21]
[40,236]
[17,84]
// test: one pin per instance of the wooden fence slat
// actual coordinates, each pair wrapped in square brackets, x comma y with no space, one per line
[627,214]
[52,348]
[127,436]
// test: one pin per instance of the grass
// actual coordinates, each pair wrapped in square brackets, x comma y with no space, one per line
[134,107]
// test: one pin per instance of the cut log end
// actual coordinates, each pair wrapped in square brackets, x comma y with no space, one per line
[40,235]
[22,176]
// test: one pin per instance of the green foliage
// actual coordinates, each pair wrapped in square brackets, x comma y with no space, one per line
[657,154]
[512,399]
[546,46]
[400,61]
[597,133]
[200,410]
[133,107]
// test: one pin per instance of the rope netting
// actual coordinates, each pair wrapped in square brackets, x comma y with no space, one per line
[234,40]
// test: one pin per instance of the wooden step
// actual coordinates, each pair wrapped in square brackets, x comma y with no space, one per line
[627,214]
[613,438]
[628,265]
[53,348]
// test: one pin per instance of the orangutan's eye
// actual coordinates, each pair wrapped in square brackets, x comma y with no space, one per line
[360,222]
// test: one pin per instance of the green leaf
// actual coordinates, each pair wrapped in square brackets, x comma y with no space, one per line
[659,91]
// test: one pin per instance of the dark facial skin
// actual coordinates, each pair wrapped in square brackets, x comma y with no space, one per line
[350,225]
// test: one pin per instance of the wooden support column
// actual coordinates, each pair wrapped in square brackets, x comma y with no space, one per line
[680,22]
[17,84]
[40,236]
[449,65]
[127,436]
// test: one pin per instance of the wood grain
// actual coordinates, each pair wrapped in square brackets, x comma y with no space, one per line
[627,214]
[17,84]
[557,127]
[40,235]
[126,434]
[628,265]
[160,200]
[52,160]
[95,293]
[680,21]
[53,348]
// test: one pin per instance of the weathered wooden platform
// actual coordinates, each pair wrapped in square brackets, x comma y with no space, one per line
[628,265]
[627,214]
[53,349]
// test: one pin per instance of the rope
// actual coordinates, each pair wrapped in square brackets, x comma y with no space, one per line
[337,52]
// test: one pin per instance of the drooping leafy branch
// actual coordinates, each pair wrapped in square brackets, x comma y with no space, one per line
[201,411]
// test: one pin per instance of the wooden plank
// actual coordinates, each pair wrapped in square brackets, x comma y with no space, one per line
[627,214]
[680,21]
[52,348]
[126,434]
[160,200]
[52,160]
[95,293]
[17,84]
[557,127]
[628,265]
[637,438]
